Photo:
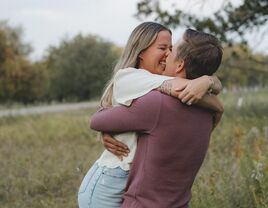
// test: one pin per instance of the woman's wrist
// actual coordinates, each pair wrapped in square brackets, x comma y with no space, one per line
[166,87]
[211,85]
[217,86]
[172,87]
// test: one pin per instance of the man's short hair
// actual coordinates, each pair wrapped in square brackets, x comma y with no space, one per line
[201,52]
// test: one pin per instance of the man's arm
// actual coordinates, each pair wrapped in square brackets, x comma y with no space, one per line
[141,116]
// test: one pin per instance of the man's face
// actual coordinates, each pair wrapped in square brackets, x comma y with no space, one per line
[173,64]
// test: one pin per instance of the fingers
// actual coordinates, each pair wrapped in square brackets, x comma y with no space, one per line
[183,94]
[109,139]
[115,149]
[180,88]
[117,152]
[191,101]
[114,146]
[187,98]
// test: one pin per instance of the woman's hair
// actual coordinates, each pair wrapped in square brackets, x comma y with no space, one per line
[140,39]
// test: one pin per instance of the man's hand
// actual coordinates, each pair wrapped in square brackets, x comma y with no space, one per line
[195,90]
[114,146]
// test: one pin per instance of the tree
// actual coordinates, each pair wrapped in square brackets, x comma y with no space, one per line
[242,67]
[13,39]
[227,23]
[20,80]
[80,67]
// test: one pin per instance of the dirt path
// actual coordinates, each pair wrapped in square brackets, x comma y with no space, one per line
[47,109]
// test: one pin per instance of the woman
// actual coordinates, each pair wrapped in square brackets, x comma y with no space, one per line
[145,54]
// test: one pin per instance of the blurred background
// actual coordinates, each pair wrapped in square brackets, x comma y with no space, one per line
[65,51]
[54,52]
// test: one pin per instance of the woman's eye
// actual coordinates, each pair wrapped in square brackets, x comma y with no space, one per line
[163,49]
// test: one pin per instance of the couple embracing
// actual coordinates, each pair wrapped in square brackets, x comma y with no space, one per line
[158,112]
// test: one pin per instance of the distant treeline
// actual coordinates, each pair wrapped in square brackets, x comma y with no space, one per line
[78,68]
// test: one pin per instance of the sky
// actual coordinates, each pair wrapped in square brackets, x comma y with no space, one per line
[46,23]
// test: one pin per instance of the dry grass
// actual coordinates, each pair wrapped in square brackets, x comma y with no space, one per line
[44,158]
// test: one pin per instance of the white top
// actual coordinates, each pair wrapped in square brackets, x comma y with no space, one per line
[129,84]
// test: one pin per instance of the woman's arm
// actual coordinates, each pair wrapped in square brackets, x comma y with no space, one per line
[216,87]
[131,83]
[211,102]
[193,91]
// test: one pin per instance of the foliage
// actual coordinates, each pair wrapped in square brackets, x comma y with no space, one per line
[20,80]
[240,67]
[80,67]
[11,39]
[76,70]
[237,21]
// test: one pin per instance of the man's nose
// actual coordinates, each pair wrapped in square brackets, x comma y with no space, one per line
[168,52]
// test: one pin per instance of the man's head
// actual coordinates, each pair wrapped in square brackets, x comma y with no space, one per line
[195,55]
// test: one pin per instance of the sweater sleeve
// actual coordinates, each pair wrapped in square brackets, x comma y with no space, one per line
[141,116]
[132,83]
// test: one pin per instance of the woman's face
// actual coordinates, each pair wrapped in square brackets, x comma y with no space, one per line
[153,59]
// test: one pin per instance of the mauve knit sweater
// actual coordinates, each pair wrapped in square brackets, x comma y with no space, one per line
[172,142]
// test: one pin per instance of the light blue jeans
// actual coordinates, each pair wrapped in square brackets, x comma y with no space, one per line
[102,187]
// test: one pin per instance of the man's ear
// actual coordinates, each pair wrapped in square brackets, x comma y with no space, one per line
[141,55]
[179,65]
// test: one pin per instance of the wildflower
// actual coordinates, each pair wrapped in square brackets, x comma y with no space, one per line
[240,102]
[257,173]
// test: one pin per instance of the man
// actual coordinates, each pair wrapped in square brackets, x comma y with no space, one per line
[173,137]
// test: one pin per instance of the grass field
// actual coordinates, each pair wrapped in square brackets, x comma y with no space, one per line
[43,158]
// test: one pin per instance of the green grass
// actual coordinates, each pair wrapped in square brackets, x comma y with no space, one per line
[43,158]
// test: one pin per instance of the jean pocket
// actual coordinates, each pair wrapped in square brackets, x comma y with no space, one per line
[112,185]
[115,172]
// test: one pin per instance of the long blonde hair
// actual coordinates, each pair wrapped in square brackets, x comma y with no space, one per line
[140,39]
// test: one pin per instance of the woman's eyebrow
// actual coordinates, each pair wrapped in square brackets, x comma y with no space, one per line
[163,44]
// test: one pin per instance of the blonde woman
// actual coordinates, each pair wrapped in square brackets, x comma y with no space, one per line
[142,62]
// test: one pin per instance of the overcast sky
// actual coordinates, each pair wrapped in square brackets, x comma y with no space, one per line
[46,22]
